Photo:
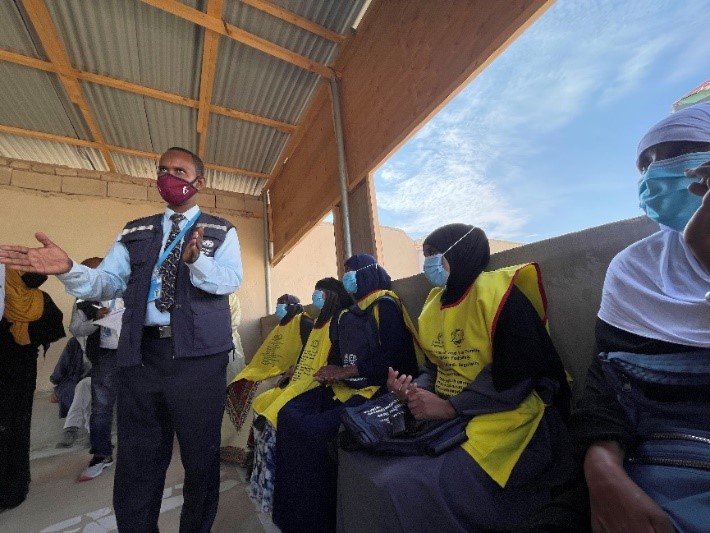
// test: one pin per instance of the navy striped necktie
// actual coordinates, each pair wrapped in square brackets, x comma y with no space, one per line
[168,270]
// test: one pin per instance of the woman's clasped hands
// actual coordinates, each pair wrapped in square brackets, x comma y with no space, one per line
[423,404]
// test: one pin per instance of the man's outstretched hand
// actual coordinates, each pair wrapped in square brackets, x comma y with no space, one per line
[46,259]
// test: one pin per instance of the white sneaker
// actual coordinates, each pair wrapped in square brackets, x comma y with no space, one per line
[96,466]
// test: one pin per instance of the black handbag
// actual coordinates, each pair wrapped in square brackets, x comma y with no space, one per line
[384,425]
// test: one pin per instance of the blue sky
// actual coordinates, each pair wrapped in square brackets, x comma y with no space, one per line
[543,141]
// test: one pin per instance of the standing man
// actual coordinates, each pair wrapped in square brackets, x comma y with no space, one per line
[172,352]
[100,347]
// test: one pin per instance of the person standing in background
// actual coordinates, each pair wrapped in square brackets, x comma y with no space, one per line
[100,347]
[175,271]
[30,320]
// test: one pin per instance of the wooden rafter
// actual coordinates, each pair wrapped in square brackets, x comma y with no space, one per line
[54,48]
[127,86]
[209,65]
[11,130]
[296,20]
[218,25]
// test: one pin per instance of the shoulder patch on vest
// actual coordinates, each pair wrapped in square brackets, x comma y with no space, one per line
[126,231]
[212,226]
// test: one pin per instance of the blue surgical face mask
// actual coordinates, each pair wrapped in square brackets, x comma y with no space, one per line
[434,270]
[281,311]
[350,282]
[663,190]
[318,299]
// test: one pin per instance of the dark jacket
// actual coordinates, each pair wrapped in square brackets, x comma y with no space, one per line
[201,322]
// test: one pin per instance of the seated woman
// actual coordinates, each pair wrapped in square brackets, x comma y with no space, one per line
[275,357]
[331,299]
[489,355]
[371,337]
[645,444]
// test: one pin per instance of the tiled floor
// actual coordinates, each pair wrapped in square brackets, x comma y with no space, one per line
[58,502]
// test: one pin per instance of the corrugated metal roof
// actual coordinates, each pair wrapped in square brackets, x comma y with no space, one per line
[34,100]
[133,47]
[17,147]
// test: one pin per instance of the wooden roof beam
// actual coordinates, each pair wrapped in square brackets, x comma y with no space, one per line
[296,20]
[11,130]
[99,79]
[407,59]
[210,47]
[219,26]
[54,48]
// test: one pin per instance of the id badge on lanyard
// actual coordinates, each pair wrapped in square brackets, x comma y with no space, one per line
[156,285]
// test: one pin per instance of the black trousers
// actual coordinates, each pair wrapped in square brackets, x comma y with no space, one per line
[161,398]
[18,376]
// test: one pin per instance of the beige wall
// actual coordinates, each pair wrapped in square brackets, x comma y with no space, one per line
[314,258]
[86,227]
[31,199]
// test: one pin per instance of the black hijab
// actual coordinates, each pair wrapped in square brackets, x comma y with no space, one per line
[293,307]
[370,279]
[336,298]
[466,260]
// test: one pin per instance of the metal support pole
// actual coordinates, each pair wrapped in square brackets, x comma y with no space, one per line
[267,253]
[342,167]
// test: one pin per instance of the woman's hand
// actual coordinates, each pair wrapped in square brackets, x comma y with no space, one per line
[425,405]
[399,384]
[617,503]
[330,374]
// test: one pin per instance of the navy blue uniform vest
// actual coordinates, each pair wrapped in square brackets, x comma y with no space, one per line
[201,322]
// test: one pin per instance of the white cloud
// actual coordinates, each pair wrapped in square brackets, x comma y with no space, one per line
[580,53]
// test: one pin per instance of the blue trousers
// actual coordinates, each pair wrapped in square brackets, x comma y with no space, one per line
[103,398]
[161,398]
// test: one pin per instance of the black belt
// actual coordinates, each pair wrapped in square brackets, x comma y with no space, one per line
[158,332]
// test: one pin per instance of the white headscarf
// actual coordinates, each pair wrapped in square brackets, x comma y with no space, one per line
[656,287]
[689,124]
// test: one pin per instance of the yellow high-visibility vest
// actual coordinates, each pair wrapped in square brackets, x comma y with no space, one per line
[277,353]
[314,356]
[458,339]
